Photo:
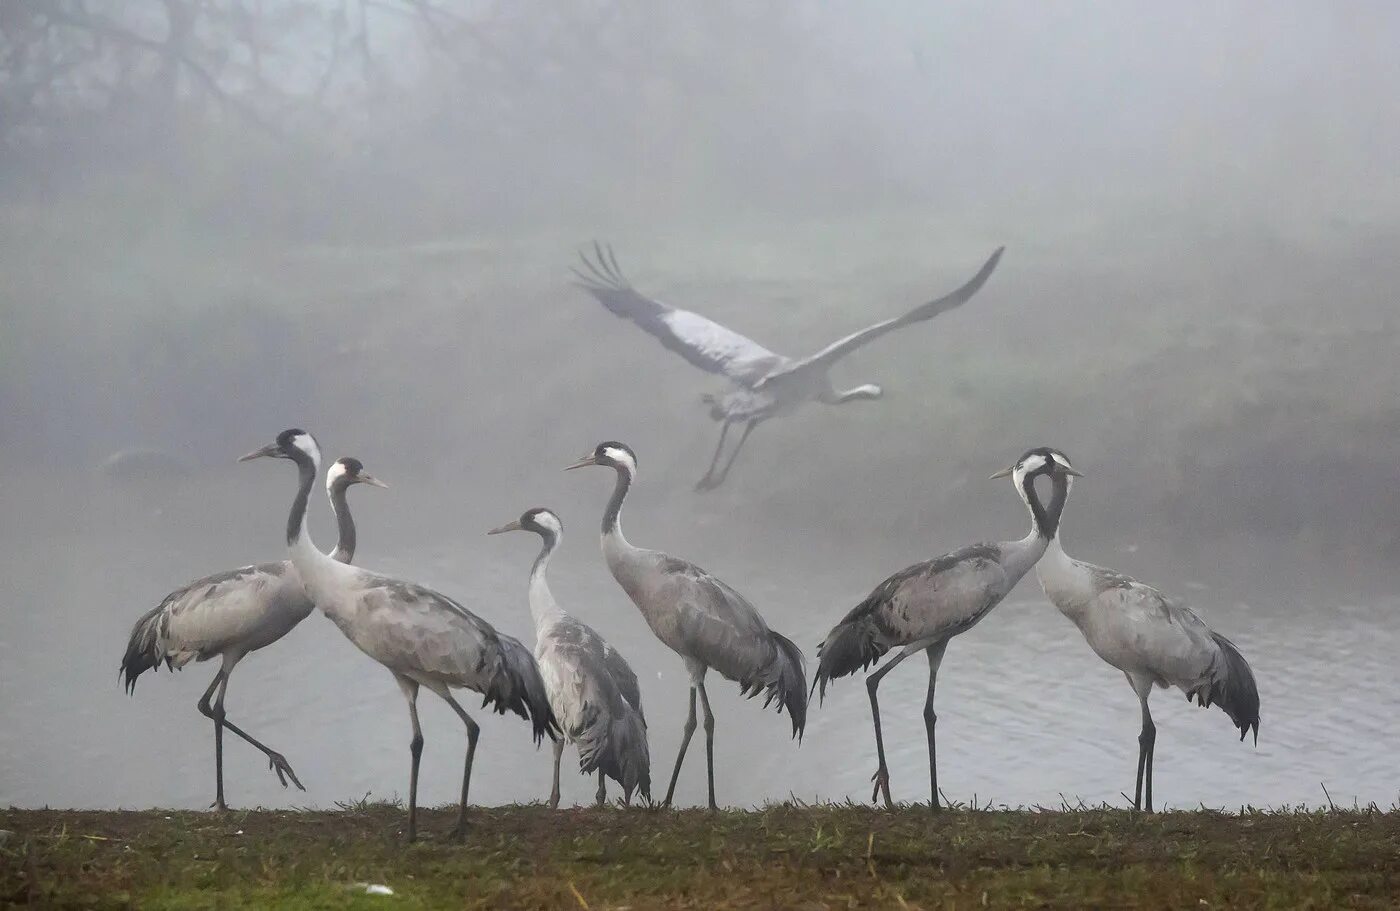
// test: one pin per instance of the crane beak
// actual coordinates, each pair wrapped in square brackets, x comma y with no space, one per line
[509,526]
[584,462]
[270,451]
[371,480]
[1005,472]
[1072,473]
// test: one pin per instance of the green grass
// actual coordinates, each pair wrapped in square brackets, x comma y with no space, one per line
[780,857]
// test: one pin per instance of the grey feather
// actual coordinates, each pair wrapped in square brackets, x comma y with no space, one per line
[901,610]
[701,341]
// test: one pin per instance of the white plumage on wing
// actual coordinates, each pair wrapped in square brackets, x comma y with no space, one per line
[764,384]
[231,614]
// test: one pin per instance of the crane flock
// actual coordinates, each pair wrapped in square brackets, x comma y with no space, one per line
[577,688]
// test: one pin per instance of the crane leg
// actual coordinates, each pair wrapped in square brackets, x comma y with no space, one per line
[872,683]
[1146,741]
[275,760]
[602,795]
[706,482]
[459,831]
[415,751]
[734,454]
[935,658]
[558,758]
[686,733]
[709,743]
[216,712]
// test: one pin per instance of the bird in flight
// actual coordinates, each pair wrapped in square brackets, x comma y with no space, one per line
[763,384]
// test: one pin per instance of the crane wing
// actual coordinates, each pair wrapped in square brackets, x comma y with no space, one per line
[410,627]
[839,349]
[700,340]
[715,623]
[624,677]
[1165,635]
[211,613]
[939,597]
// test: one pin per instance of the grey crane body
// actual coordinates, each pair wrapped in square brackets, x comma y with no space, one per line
[763,383]
[593,692]
[423,637]
[231,614]
[700,618]
[922,607]
[1154,640]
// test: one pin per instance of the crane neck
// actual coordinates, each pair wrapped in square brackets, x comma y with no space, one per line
[612,516]
[304,554]
[345,547]
[542,603]
[306,478]
[1045,521]
[550,542]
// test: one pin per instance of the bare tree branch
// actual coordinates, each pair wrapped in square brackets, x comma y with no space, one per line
[99,25]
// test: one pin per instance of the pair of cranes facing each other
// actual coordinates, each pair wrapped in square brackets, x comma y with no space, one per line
[1151,638]
[426,639]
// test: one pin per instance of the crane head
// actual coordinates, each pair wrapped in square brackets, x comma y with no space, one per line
[1042,460]
[611,454]
[293,444]
[542,522]
[346,471]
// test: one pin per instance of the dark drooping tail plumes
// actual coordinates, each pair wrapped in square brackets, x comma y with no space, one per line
[517,687]
[852,645]
[1232,688]
[783,681]
[617,747]
[143,652]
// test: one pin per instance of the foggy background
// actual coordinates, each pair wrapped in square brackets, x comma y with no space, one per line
[221,218]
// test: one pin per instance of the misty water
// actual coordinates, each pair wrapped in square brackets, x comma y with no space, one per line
[1028,715]
[363,226]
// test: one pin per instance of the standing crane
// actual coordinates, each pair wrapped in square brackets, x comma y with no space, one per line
[423,637]
[1152,639]
[700,618]
[764,384]
[592,690]
[924,606]
[233,613]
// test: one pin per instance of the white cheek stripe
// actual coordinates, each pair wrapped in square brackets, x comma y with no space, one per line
[620,455]
[307,444]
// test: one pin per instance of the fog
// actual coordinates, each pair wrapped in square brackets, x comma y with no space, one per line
[222,219]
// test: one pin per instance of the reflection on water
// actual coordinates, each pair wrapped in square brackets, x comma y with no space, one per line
[1027,714]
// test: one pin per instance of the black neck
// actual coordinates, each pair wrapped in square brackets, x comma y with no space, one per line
[551,541]
[306,471]
[1046,521]
[345,547]
[614,510]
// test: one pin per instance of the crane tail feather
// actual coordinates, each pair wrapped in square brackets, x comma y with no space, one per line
[783,682]
[1232,688]
[518,687]
[143,651]
[852,645]
[624,756]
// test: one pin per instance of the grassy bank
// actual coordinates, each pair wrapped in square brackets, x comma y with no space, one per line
[782,857]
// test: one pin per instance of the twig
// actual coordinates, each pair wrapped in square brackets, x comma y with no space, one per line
[100,26]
